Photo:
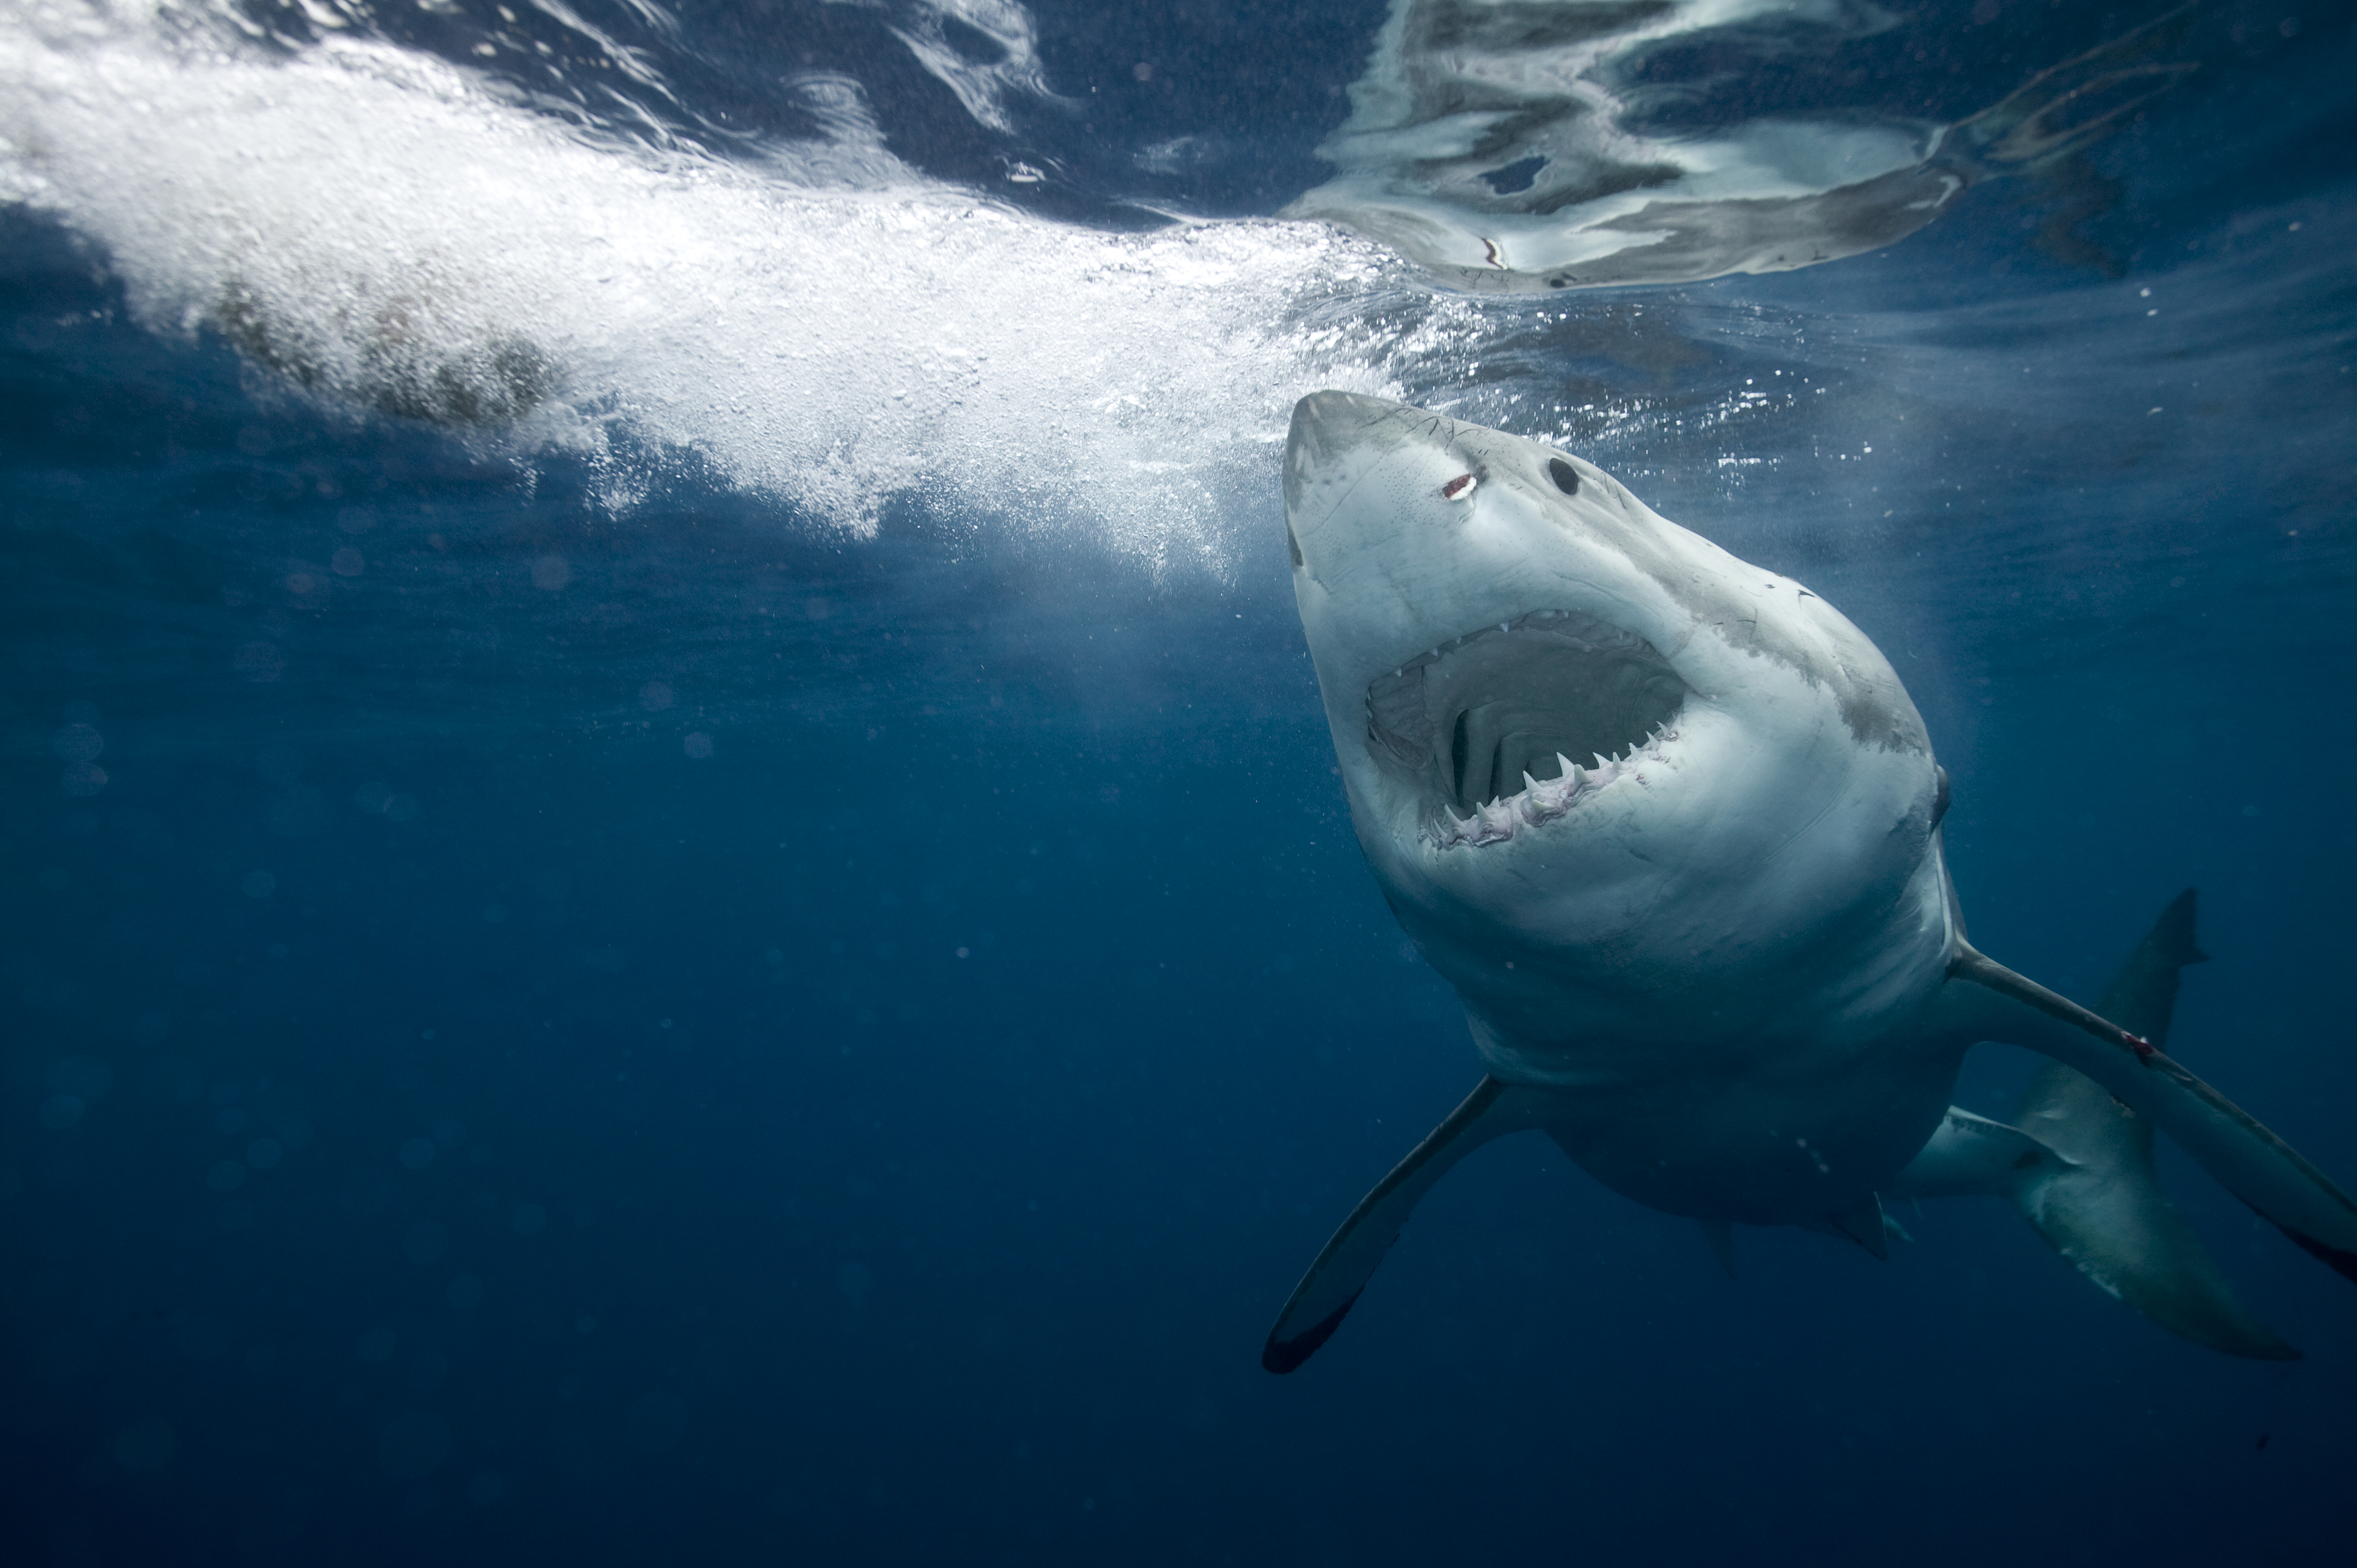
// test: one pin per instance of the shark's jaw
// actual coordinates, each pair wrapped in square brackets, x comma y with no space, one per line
[1624,790]
[1488,723]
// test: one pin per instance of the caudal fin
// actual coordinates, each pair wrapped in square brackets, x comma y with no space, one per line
[2100,1205]
[2114,1223]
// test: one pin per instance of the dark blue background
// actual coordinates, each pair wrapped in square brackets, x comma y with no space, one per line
[886,1137]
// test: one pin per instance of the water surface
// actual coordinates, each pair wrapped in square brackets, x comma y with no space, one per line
[673,882]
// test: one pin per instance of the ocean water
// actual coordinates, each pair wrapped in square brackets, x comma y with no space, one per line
[674,889]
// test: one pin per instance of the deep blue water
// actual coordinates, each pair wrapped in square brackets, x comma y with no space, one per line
[674,890]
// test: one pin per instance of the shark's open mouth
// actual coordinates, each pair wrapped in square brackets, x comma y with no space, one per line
[1492,720]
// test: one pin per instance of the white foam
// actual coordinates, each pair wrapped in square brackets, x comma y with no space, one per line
[826,328]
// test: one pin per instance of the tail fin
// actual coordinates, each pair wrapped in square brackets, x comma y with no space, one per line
[2103,1208]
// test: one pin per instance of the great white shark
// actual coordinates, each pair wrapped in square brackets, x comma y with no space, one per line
[1670,824]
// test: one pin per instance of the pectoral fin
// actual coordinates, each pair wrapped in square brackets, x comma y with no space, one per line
[1333,1282]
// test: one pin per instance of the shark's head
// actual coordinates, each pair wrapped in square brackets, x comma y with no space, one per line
[1584,747]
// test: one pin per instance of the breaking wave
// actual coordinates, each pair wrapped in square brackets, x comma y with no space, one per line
[388,232]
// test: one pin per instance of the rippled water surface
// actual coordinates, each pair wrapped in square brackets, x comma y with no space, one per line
[674,889]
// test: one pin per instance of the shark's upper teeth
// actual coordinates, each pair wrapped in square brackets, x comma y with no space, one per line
[1403,727]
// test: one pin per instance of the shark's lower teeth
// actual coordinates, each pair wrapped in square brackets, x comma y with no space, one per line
[1542,800]
[1507,701]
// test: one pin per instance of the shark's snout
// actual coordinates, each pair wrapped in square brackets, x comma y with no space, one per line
[1336,438]
[1422,546]
[1506,638]
[1329,424]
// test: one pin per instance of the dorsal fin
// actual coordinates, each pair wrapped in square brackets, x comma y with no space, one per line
[2143,995]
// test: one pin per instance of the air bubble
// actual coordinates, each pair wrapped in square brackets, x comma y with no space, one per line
[823,324]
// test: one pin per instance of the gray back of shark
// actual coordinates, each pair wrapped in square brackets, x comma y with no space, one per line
[1670,825]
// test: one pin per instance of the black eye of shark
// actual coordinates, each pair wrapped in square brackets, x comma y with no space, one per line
[1565,477]
[1488,724]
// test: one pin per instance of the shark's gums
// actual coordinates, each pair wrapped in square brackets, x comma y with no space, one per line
[1670,824]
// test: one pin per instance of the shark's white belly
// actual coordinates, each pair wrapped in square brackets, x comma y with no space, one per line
[1760,1092]
[1784,1139]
